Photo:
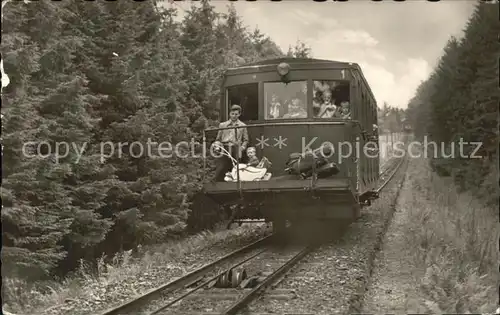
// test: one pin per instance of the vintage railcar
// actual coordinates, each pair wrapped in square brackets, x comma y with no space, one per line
[406,126]
[269,93]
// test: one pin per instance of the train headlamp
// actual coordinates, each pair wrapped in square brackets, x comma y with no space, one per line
[283,69]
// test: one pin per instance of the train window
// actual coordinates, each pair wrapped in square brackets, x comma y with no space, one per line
[285,101]
[247,96]
[331,99]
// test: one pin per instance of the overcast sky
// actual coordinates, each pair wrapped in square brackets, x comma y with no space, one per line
[396,44]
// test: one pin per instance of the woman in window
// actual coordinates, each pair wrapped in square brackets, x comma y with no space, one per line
[296,109]
[327,108]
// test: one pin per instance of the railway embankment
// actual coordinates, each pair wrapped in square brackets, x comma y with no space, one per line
[439,254]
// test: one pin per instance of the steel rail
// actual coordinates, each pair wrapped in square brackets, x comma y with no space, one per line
[250,296]
[391,176]
[387,169]
[387,166]
[184,280]
[383,168]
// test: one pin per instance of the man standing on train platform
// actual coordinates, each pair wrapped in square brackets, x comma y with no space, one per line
[234,141]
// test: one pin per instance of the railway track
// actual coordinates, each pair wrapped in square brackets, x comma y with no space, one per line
[172,297]
[389,171]
[275,261]
[239,290]
[136,305]
[387,165]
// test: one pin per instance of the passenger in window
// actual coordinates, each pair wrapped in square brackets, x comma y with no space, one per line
[275,107]
[317,101]
[296,109]
[327,108]
[234,143]
[345,110]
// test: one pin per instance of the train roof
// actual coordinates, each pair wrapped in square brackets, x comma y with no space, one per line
[292,60]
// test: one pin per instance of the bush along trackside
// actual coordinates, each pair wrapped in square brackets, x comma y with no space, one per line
[440,254]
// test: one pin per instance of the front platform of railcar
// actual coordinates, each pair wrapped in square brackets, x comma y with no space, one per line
[327,192]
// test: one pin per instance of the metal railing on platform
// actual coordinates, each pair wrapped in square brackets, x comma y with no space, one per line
[274,124]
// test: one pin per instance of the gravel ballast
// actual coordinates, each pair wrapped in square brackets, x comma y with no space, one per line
[334,278]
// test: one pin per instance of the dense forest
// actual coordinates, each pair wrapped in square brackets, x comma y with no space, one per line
[460,100]
[86,73]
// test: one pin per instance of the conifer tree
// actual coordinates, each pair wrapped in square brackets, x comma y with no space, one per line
[300,50]
[459,102]
[46,218]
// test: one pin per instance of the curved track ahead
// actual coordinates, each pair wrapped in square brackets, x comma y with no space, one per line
[390,168]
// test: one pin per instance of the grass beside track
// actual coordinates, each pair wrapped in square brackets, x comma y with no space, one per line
[439,255]
[454,241]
